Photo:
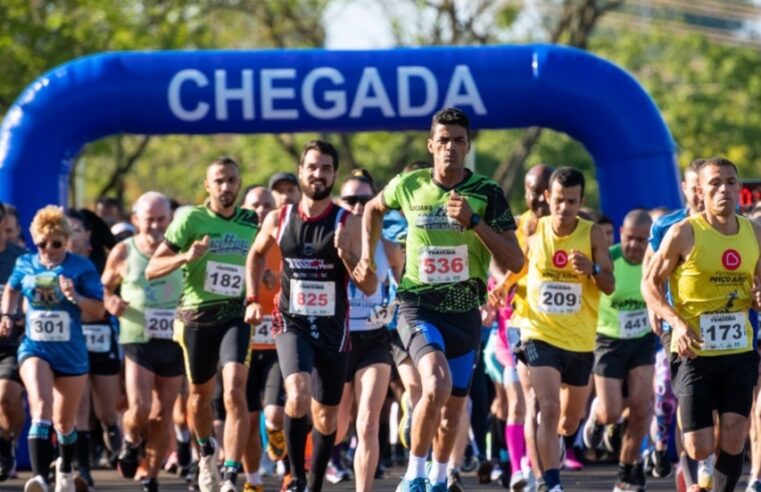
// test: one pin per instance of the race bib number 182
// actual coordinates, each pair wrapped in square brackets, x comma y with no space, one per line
[223,279]
[723,331]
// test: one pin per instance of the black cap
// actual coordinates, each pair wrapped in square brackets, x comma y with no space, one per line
[278,177]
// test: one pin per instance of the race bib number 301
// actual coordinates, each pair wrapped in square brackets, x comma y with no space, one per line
[49,326]
[262,333]
[723,331]
[444,264]
[633,324]
[97,338]
[159,323]
[560,298]
[312,298]
[223,279]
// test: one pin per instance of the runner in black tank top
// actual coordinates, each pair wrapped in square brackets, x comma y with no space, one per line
[313,297]
[320,244]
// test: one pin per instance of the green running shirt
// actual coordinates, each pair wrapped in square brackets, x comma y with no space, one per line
[446,264]
[623,314]
[214,285]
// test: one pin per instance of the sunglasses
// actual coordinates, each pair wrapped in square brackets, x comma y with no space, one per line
[352,200]
[52,244]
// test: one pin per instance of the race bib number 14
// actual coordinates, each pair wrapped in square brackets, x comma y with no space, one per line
[262,333]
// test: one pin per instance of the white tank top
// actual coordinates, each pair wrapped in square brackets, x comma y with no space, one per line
[360,305]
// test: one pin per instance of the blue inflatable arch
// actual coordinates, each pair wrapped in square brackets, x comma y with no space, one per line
[204,92]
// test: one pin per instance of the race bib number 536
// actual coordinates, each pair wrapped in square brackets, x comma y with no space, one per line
[49,326]
[444,264]
[312,298]
[723,331]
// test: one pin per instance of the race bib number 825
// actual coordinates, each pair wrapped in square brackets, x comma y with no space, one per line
[312,298]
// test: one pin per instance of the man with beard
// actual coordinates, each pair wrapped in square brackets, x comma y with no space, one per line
[153,362]
[210,243]
[319,243]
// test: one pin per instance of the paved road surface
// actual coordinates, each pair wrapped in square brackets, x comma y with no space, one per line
[593,478]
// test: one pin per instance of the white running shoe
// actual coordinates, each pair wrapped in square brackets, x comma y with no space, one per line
[208,471]
[705,472]
[228,486]
[518,482]
[64,482]
[36,484]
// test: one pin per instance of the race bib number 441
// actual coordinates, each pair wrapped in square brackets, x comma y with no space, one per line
[49,326]
[312,298]
[723,331]
[560,298]
[223,279]
[444,264]
[633,324]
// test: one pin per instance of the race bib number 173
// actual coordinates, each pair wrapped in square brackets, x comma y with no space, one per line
[723,331]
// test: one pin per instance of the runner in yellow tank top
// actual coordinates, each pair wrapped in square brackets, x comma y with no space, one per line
[569,265]
[711,261]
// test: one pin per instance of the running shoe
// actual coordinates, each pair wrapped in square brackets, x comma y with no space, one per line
[754,486]
[661,464]
[438,487]
[7,459]
[64,482]
[149,485]
[454,482]
[557,488]
[228,486]
[128,461]
[301,486]
[336,473]
[611,438]
[276,448]
[484,471]
[419,484]
[208,471]
[405,424]
[572,462]
[249,487]
[705,472]
[592,434]
[518,481]
[36,484]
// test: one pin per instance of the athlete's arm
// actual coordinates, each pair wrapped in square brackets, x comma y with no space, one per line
[9,306]
[112,278]
[166,260]
[678,242]
[757,273]
[348,237]
[364,274]
[656,323]
[395,256]
[605,280]
[255,265]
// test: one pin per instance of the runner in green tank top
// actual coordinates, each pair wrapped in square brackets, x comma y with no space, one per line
[153,362]
[210,244]
[624,350]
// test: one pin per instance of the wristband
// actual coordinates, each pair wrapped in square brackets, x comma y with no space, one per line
[251,299]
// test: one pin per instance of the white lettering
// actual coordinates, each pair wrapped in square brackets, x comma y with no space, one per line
[371,80]
[223,94]
[173,95]
[337,98]
[270,93]
[431,91]
[463,78]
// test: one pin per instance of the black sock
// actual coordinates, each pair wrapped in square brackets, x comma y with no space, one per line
[183,453]
[83,452]
[296,430]
[727,472]
[322,447]
[113,438]
[40,449]
[67,444]
[689,470]
[499,446]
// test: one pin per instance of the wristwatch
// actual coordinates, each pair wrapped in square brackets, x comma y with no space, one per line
[596,269]
[475,219]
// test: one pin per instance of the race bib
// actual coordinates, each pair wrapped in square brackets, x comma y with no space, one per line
[444,264]
[262,333]
[312,298]
[97,338]
[723,331]
[633,324]
[49,326]
[224,279]
[559,298]
[159,323]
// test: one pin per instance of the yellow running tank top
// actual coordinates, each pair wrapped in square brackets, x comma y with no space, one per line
[711,289]
[520,304]
[563,305]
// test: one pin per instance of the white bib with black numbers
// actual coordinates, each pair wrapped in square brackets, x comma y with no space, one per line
[224,279]
[559,298]
[723,331]
[159,323]
[49,326]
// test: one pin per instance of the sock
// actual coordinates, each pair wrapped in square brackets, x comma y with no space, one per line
[727,473]
[231,469]
[322,447]
[296,430]
[498,443]
[113,438]
[689,469]
[183,453]
[254,478]
[40,447]
[438,473]
[415,467]
[83,451]
[67,444]
[552,477]
[569,443]
[516,443]
[206,446]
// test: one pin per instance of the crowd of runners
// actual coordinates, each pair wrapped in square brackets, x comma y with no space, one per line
[280,330]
